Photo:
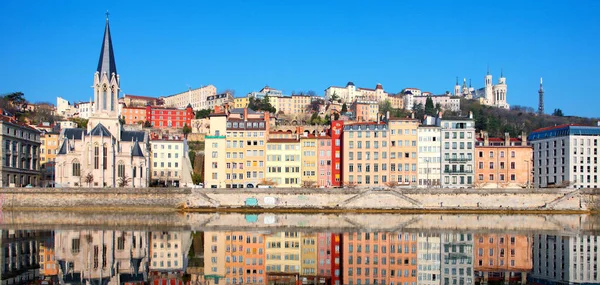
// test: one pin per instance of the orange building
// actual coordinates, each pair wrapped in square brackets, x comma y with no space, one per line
[365,111]
[245,260]
[379,258]
[48,266]
[133,115]
[364,154]
[403,151]
[502,257]
[504,163]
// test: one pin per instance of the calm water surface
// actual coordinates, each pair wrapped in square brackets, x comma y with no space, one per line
[433,254]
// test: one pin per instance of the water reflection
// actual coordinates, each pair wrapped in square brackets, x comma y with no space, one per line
[103,257]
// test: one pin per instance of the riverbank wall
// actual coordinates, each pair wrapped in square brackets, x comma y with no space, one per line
[299,199]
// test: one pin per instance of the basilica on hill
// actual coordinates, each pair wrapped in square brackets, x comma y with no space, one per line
[103,154]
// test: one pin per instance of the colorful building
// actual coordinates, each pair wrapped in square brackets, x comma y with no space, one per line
[244,255]
[309,149]
[503,162]
[324,159]
[283,250]
[337,127]
[48,149]
[284,161]
[365,154]
[134,115]
[241,102]
[364,110]
[216,150]
[503,257]
[403,138]
[308,264]
[169,118]
[458,136]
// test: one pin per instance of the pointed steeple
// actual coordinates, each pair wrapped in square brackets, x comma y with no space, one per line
[457,80]
[501,72]
[106,63]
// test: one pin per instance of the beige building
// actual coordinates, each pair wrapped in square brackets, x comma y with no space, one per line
[283,250]
[169,161]
[169,250]
[309,148]
[198,98]
[365,155]
[284,161]
[20,145]
[397,101]
[365,111]
[403,151]
[350,93]
[103,155]
[447,102]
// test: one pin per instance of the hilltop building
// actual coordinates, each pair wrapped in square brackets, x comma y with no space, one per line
[103,155]
[490,94]
[349,93]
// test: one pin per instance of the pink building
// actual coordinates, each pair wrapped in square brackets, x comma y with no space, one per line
[324,160]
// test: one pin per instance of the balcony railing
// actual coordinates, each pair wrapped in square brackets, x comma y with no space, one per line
[458,171]
[454,159]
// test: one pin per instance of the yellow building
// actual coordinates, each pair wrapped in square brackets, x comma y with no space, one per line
[283,252]
[241,102]
[403,151]
[49,147]
[214,255]
[309,258]
[308,145]
[283,159]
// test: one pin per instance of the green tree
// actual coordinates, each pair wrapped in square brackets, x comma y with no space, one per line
[334,97]
[315,119]
[327,120]
[197,178]
[192,156]
[122,120]
[201,114]
[17,98]
[419,111]
[385,106]
[186,130]
[344,108]
[429,107]
[81,123]
[147,124]
[558,113]
[438,108]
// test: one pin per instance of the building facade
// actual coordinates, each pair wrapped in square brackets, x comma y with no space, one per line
[284,161]
[21,145]
[103,155]
[169,118]
[429,154]
[324,160]
[365,111]
[170,165]
[458,136]
[197,98]
[565,156]
[133,115]
[503,162]
[48,150]
[349,93]
[402,146]
[503,257]
[364,165]
[447,102]
[309,149]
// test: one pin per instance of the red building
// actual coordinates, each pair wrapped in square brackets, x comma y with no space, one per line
[169,117]
[336,153]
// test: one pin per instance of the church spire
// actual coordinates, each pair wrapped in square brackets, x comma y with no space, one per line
[106,63]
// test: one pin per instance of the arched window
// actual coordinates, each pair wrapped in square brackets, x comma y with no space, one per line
[76,168]
[96,157]
[105,157]
[121,170]
[104,97]
[134,172]
[112,100]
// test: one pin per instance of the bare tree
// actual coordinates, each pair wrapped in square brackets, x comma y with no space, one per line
[89,179]
[124,181]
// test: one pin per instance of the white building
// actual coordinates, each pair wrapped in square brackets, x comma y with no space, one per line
[458,150]
[565,155]
[169,161]
[429,259]
[66,124]
[447,102]
[350,93]
[562,259]
[63,107]
[85,109]
[103,155]
[430,159]
[198,98]
[457,258]
[491,95]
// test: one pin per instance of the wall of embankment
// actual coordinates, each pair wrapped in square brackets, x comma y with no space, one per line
[299,199]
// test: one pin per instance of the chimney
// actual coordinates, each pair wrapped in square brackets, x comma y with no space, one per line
[378,119]
[412,115]
[245,114]
[523,139]
[486,139]
[506,139]
[470,114]
[439,114]
[387,116]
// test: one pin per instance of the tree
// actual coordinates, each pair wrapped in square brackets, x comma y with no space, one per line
[344,108]
[327,120]
[89,179]
[418,110]
[336,116]
[201,114]
[385,106]
[429,108]
[186,130]
[315,105]
[315,119]
[147,124]
[122,120]
[17,98]
[192,156]
[81,122]
[438,108]
[558,113]
[334,97]
[123,181]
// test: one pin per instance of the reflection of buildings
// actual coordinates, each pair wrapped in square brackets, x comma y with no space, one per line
[329,246]
[428,259]
[19,257]
[48,265]
[565,259]
[457,258]
[169,251]
[379,258]
[502,257]
[101,257]
[283,252]
[309,254]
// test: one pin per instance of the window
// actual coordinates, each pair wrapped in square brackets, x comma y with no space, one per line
[105,157]
[96,158]
[121,170]
[76,168]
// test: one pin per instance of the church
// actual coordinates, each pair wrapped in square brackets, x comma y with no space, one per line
[103,154]
[490,94]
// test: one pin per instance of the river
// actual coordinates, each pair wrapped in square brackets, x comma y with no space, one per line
[172,248]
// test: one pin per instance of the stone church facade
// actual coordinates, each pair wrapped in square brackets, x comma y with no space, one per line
[103,154]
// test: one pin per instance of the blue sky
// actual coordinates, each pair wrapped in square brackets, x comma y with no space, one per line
[51,48]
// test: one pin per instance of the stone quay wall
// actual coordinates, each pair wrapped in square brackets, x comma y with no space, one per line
[292,199]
